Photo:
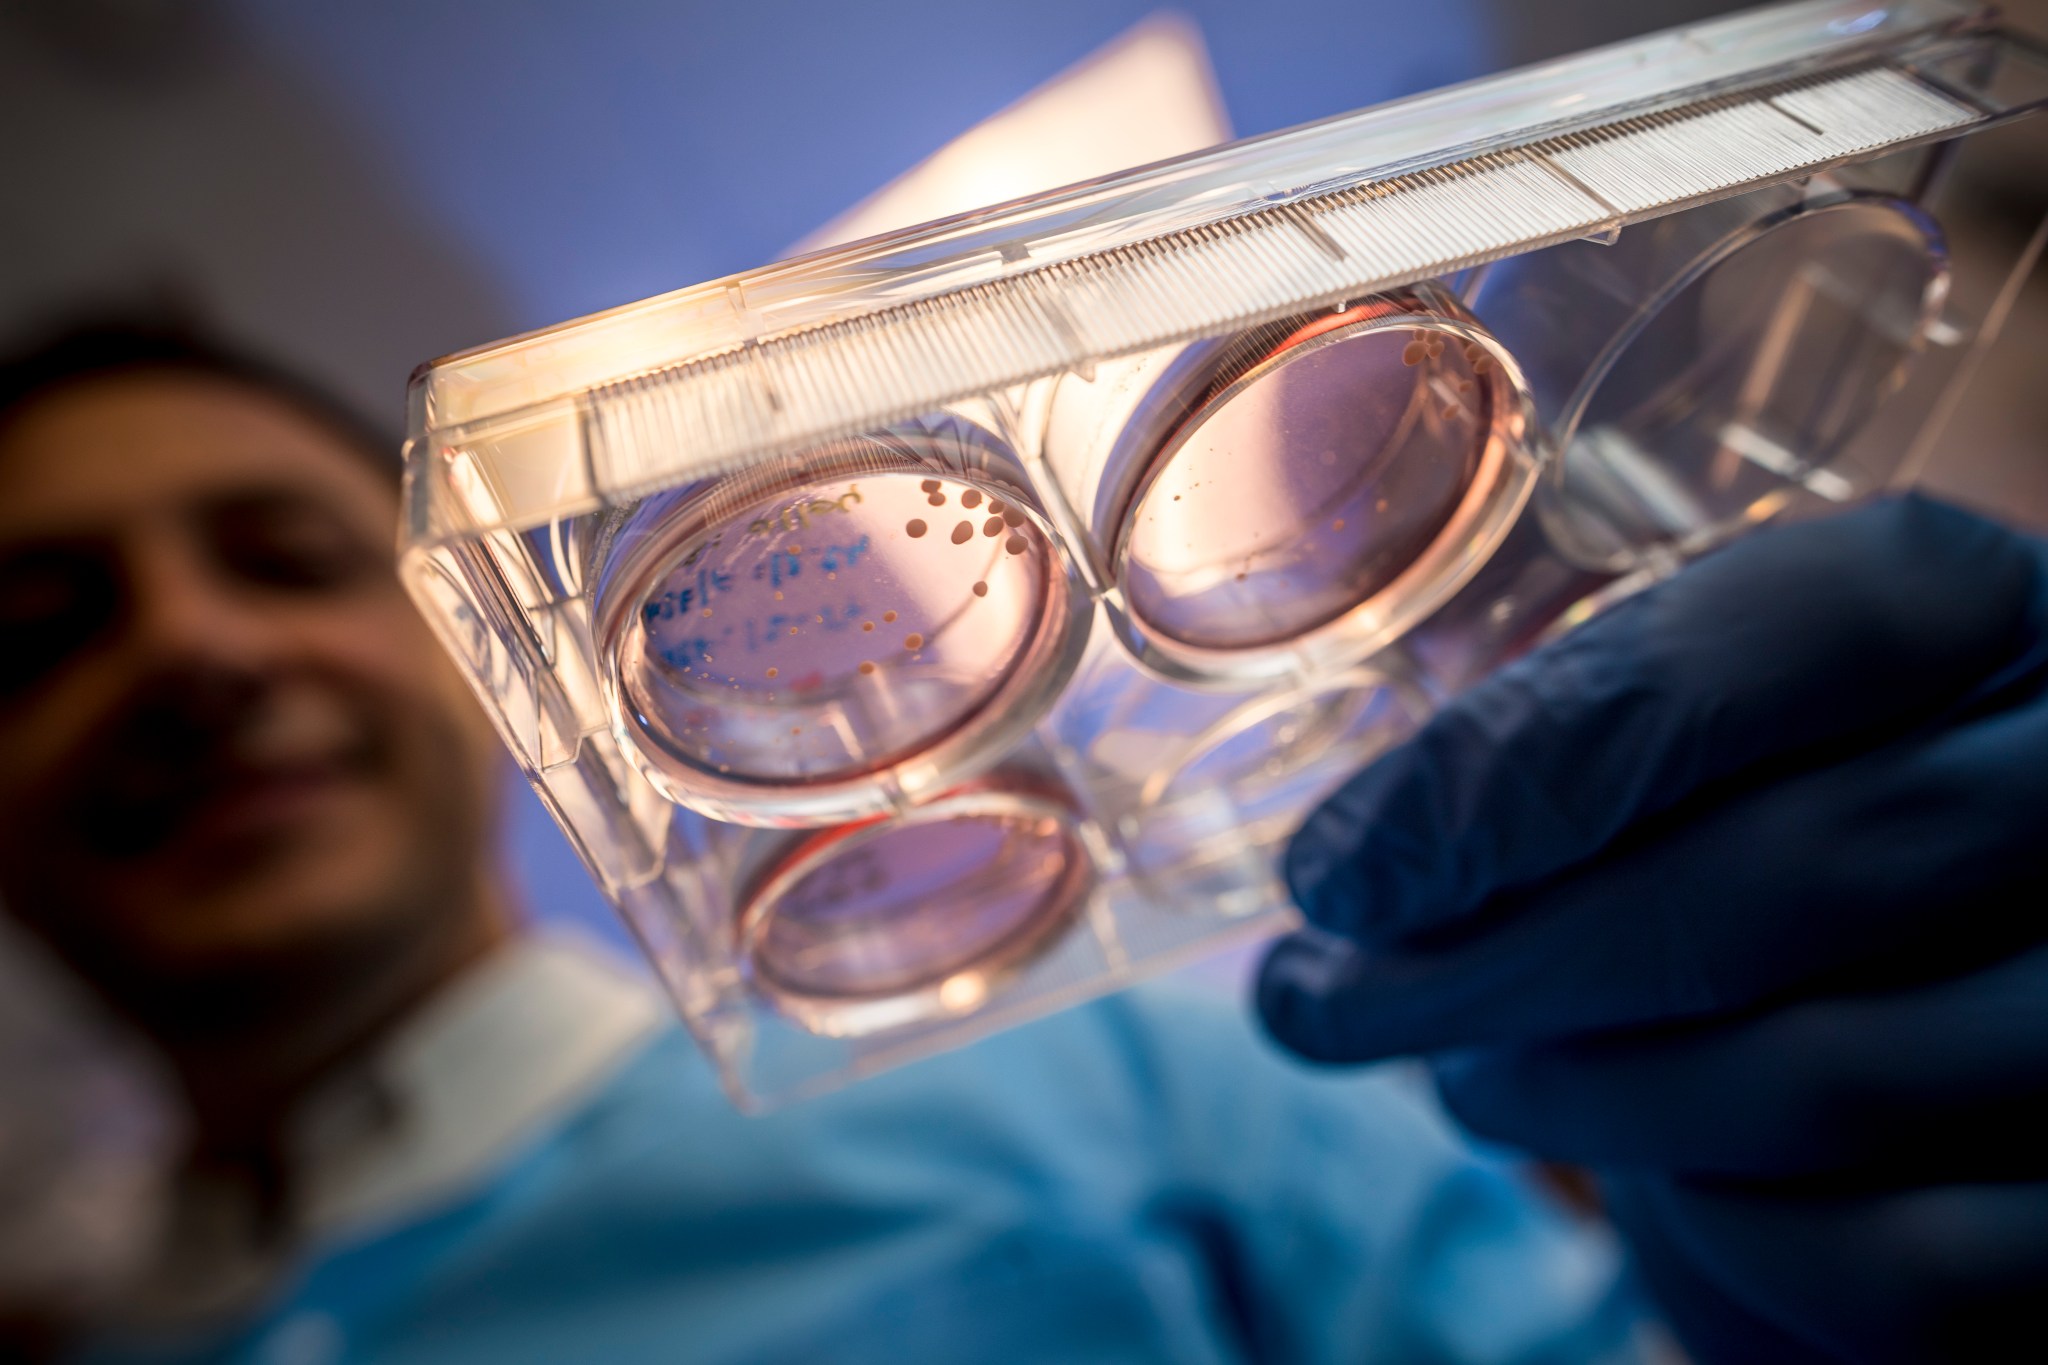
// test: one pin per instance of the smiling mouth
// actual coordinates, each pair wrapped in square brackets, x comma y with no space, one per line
[257,804]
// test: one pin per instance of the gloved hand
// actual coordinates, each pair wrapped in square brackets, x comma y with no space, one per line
[1739,895]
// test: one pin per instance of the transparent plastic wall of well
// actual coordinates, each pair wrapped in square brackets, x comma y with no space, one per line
[905,736]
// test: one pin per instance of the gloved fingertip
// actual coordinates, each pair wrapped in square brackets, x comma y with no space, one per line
[1304,999]
[1476,1088]
[1360,864]
[1313,869]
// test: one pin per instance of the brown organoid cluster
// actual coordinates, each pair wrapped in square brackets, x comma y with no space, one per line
[1001,520]
[1425,346]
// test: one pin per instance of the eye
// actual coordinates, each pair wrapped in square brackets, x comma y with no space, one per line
[54,602]
[291,543]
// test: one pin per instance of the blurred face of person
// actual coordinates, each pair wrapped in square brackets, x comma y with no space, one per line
[236,771]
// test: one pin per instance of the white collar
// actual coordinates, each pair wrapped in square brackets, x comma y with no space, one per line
[513,1044]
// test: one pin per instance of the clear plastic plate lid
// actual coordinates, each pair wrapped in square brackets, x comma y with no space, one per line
[934,630]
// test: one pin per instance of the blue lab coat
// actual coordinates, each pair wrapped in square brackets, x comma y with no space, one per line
[1137,1180]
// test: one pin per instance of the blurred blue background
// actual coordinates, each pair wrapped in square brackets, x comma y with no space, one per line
[595,154]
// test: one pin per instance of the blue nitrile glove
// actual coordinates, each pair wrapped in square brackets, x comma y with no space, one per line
[1738,895]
